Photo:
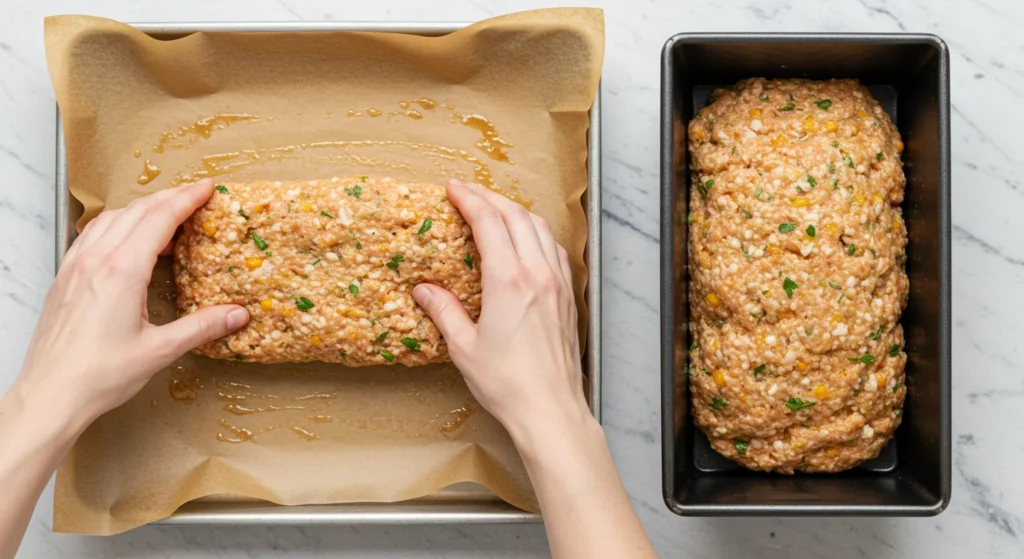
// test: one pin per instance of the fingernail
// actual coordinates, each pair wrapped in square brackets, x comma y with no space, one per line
[455,182]
[422,295]
[237,318]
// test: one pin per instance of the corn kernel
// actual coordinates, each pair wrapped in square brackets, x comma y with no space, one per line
[719,378]
[859,198]
[801,366]
[713,346]
[895,225]
[899,146]
[713,299]
[831,125]
[779,141]
[831,228]
[821,392]
[810,125]
[832,452]
[877,198]
[289,312]
[355,313]
[314,340]
[861,113]
[697,133]
[353,335]
[754,113]
[259,208]
[837,318]
[705,262]
[306,207]
[801,201]
[209,228]
[449,219]
[253,263]
[267,304]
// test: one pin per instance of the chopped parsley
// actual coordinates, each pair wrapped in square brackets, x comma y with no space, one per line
[841,298]
[788,286]
[747,214]
[304,304]
[393,264]
[823,104]
[239,357]
[734,150]
[877,333]
[787,107]
[231,269]
[359,245]
[469,261]
[268,254]
[835,184]
[849,161]
[811,181]
[689,218]
[834,285]
[383,336]
[363,178]
[221,188]
[811,231]
[873,253]
[763,96]
[387,355]
[372,321]
[708,184]
[355,191]
[867,359]
[851,250]
[896,388]
[718,404]
[787,227]
[757,194]
[225,342]
[835,144]
[427,224]
[315,262]
[760,369]
[796,404]
[831,168]
[898,412]
[353,288]
[741,445]
[694,346]
[242,213]
[260,243]
[327,215]
[894,350]
[879,156]
[412,343]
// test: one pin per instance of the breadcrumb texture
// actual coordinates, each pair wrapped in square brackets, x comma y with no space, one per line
[326,269]
[797,277]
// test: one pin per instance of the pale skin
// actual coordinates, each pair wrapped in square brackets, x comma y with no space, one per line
[94,349]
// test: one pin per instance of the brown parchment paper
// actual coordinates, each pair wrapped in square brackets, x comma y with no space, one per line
[503,102]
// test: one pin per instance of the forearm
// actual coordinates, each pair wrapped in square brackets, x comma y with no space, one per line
[33,439]
[586,510]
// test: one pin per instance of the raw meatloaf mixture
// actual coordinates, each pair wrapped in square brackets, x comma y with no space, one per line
[326,269]
[797,275]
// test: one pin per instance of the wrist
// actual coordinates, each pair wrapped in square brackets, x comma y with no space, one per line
[564,430]
[44,413]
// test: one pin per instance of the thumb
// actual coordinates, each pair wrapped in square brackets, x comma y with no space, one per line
[201,327]
[446,311]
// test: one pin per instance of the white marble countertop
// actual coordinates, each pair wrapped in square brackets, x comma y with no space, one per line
[984,519]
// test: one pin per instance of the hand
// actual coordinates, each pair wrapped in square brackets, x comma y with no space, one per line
[94,347]
[521,360]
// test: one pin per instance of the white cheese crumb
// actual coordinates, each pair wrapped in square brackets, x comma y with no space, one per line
[840,330]
[868,432]
[331,256]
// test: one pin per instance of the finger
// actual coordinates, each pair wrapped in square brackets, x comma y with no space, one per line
[565,270]
[128,218]
[191,331]
[489,229]
[520,226]
[547,243]
[154,232]
[93,230]
[447,313]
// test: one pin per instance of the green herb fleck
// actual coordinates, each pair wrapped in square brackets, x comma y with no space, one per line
[757,193]
[849,161]
[327,215]
[877,333]
[260,243]
[225,342]
[841,298]
[221,188]
[304,304]
[734,150]
[763,96]
[796,404]
[427,224]
[231,270]
[359,245]
[242,213]
[811,232]
[383,336]
[894,350]
[898,412]
[823,104]
[268,254]
[708,184]
[896,387]
[694,346]
[759,370]
[811,181]
[788,286]
[363,178]
[879,156]
[398,257]
[787,107]
[412,343]
[353,288]
[718,404]
[747,214]
[387,355]
[834,285]
[469,261]
[689,218]
[867,359]
[741,445]
[873,253]
[831,168]
[393,265]
[835,144]
[835,184]
[355,191]
[372,321]
[787,227]
[239,357]
[851,250]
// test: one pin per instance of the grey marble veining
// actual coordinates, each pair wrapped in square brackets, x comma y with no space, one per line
[986,518]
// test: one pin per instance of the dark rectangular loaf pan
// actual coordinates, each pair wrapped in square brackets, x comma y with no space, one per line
[909,74]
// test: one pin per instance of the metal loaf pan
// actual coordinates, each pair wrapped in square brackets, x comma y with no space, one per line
[909,74]
[463,503]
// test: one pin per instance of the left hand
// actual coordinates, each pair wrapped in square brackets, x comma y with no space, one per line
[94,347]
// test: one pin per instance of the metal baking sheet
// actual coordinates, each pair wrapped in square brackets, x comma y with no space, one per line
[461,503]
[909,75]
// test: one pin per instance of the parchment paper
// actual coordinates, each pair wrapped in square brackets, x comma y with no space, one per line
[502,102]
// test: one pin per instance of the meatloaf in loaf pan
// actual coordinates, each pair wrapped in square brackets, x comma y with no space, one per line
[797,281]
[326,268]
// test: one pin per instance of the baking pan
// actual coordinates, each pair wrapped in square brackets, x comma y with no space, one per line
[461,503]
[909,74]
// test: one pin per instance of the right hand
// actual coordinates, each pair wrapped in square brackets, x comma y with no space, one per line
[521,360]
